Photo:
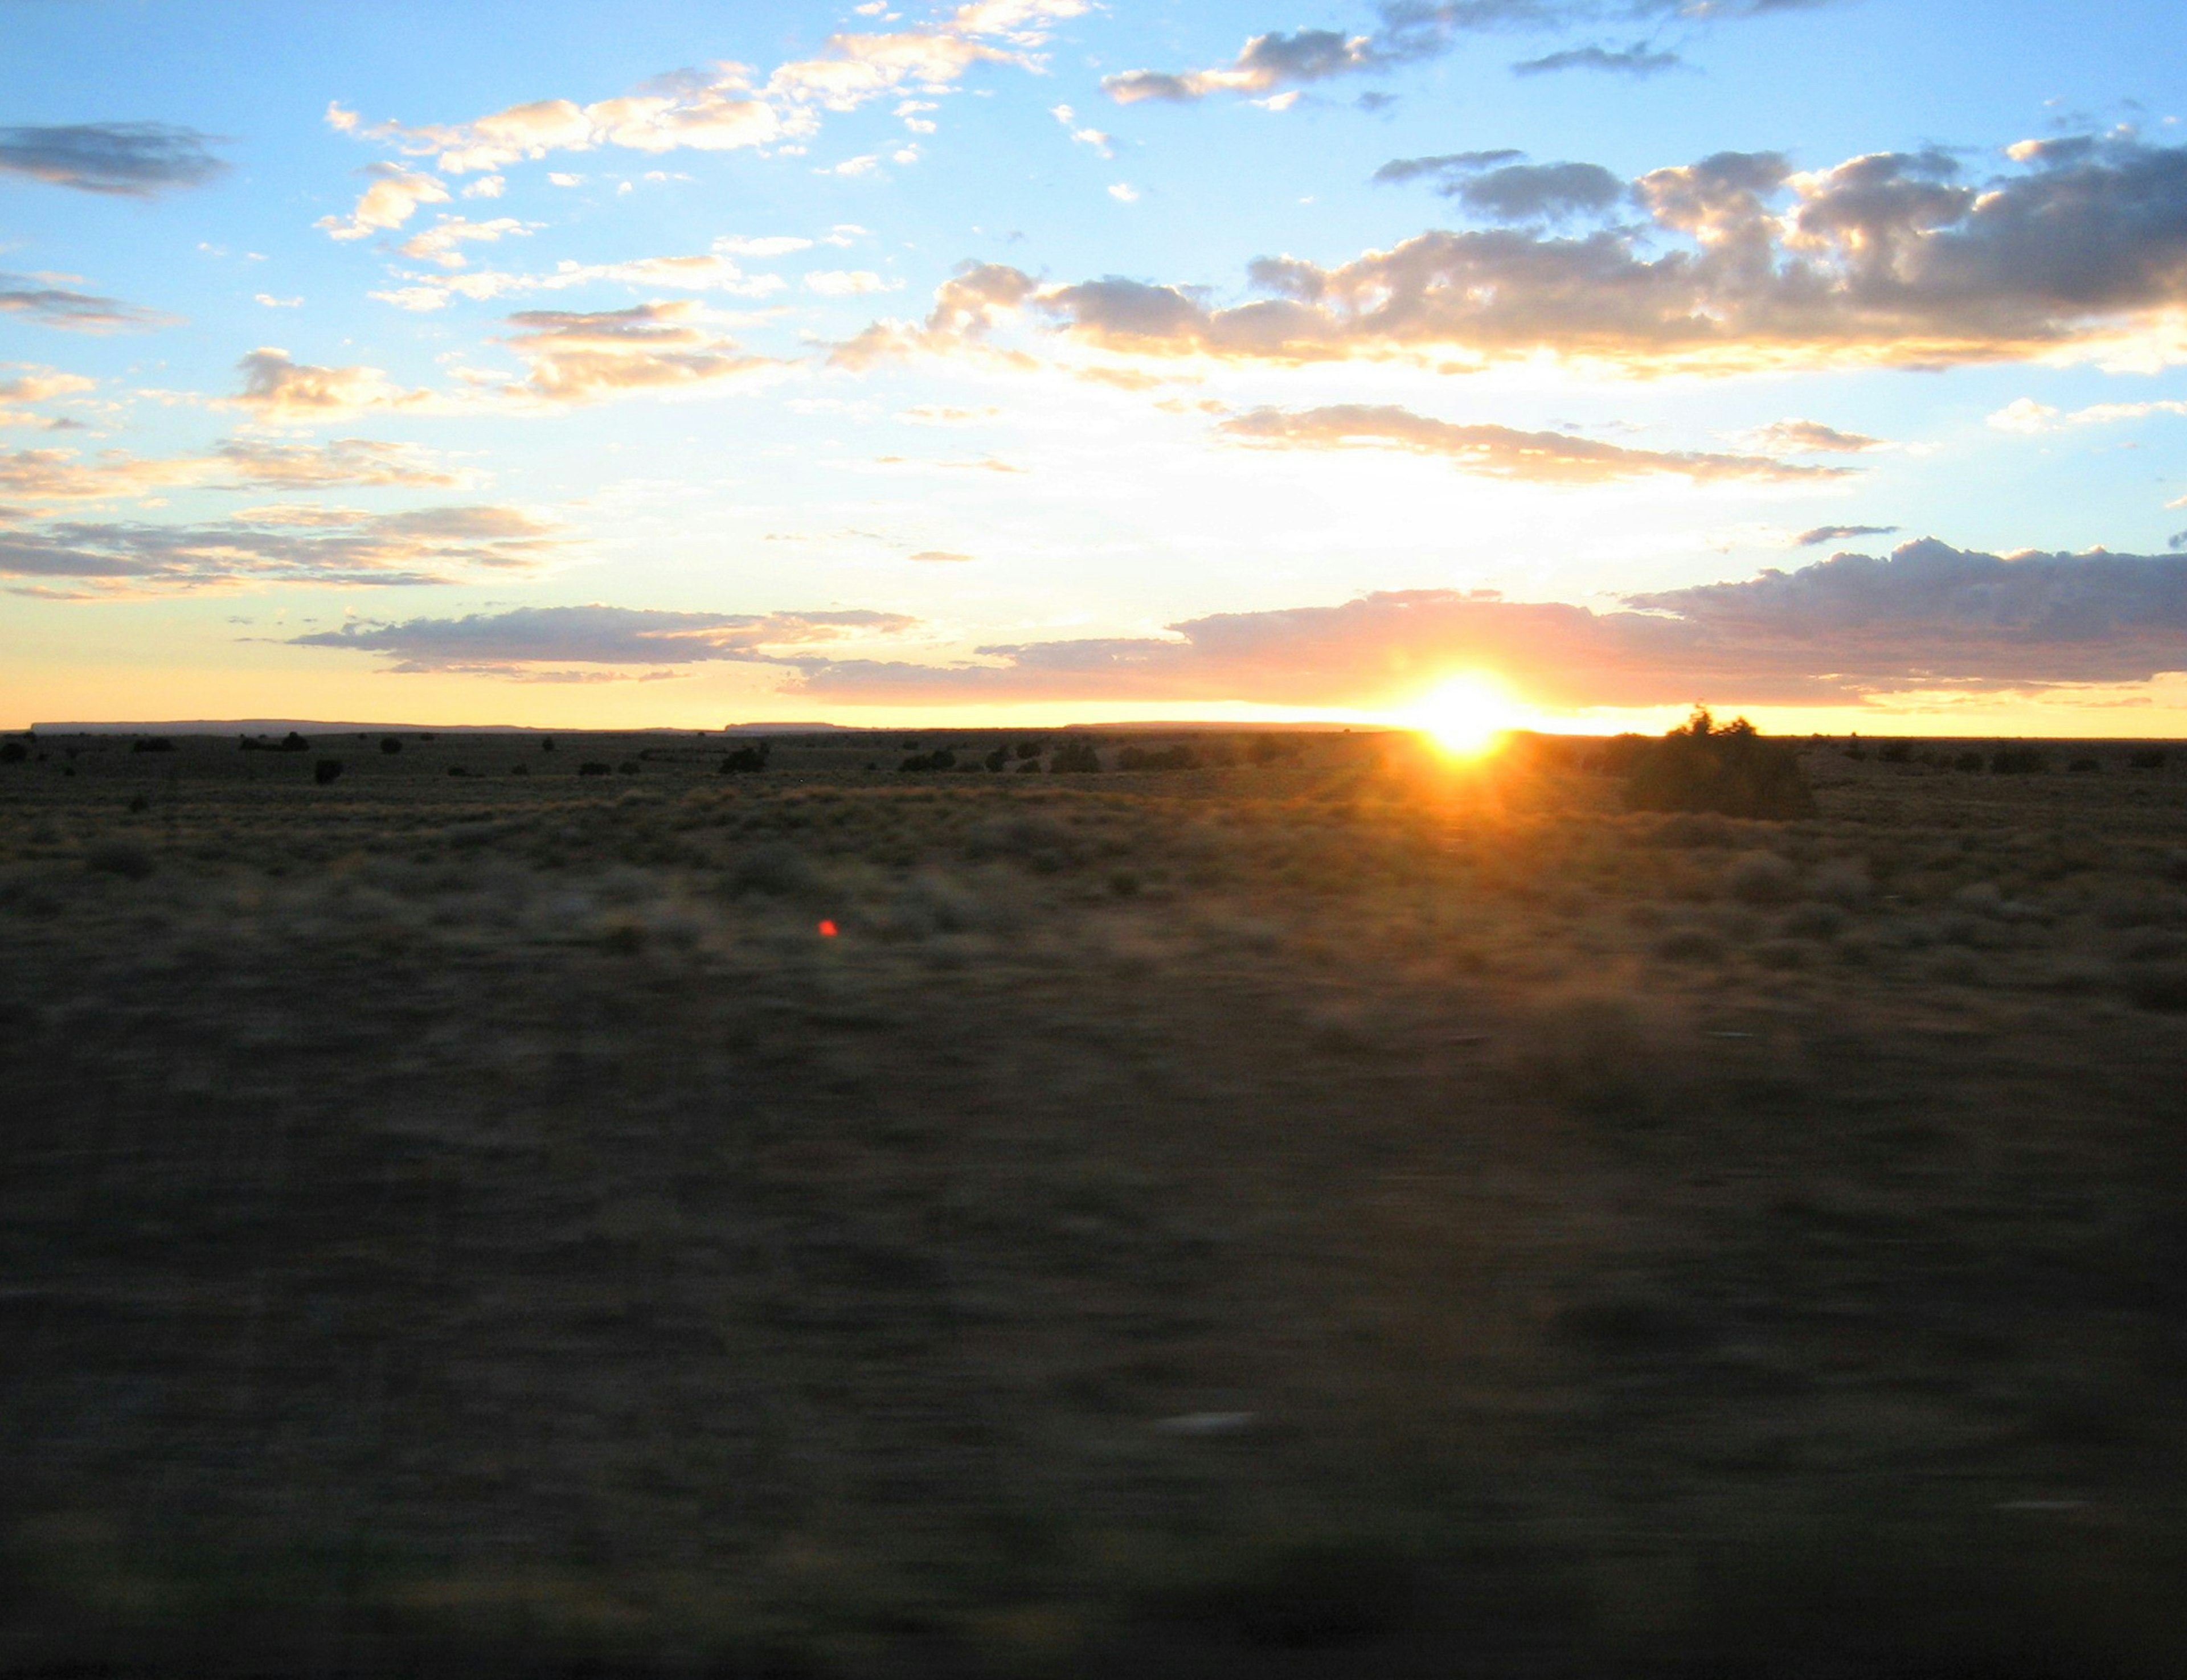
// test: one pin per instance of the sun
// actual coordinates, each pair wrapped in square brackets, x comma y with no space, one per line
[1465,715]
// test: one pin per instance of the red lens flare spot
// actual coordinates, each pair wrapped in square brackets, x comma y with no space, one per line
[827,930]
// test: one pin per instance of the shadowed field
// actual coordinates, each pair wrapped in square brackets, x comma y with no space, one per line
[1317,1212]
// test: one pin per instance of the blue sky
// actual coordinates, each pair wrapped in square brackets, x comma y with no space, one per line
[1044,359]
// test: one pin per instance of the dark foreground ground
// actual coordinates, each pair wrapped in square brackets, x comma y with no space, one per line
[1332,1217]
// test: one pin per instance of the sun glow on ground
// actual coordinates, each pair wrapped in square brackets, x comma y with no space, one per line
[1465,716]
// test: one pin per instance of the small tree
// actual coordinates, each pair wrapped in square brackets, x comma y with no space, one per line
[391,744]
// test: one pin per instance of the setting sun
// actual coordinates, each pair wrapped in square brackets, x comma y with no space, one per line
[1464,715]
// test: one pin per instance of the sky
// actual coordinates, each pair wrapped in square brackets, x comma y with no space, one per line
[682,364]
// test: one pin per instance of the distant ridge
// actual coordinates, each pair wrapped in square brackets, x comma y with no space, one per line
[306,726]
[282,725]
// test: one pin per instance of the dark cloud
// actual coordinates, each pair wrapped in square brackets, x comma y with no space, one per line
[38,299]
[1446,165]
[1265,64]
[1498,452]
[1494,186]
[1638,60]
[513,643]
[287,545]
[1890,259]
[1409,30]
[1928,616]
[135,160]
[1839,533]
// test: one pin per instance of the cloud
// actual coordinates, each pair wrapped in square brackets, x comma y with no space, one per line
[1101,143]
[516,643]
[2025,415]
[1926,617]
[345,460]
[967,307]
[1410,30]
[1838,533]
[1264,64]
[62,476]
[1795,437]
[285,545]
[1638,60]
[65,475]
[1743,265]
[847,283]
[39,298]
[29,383]
[940,556]
[443,241]
[710,271]
[1495,186]
[1499,451]
[133,160]
[731,107]
[575,356]
[278,388]
[389,201]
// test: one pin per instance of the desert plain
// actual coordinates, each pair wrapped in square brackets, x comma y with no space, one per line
[1328,1210]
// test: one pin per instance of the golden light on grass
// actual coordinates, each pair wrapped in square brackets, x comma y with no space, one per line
[1465,716]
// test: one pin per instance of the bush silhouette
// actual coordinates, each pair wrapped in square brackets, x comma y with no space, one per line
[595,770]
[1075,758]
[13,752]
[746,760]
[1728,769]
[152,743]
[2146,758]
[940,759]
[326,770]
[1178,757]
[391,744]
[2018,762]
[126,858]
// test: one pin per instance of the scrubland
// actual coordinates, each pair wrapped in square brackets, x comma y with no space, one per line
[1347,1214]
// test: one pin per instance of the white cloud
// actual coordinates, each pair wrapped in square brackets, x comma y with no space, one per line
[847,283]
[1094,138]
[2025,415]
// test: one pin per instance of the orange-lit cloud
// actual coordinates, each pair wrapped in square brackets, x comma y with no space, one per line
[575,356]
[1497,451]
[277,387]
[113,475]
[391,200]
